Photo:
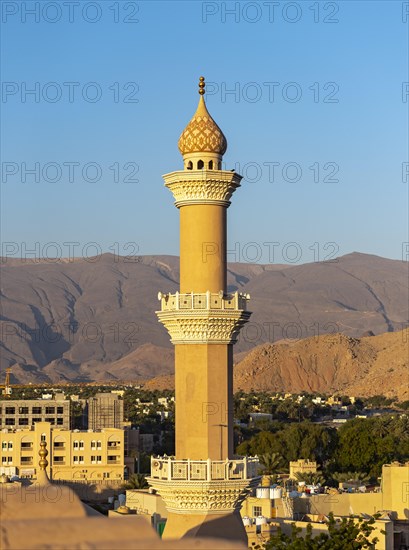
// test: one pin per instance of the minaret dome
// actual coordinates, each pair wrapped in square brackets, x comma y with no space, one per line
[202,143]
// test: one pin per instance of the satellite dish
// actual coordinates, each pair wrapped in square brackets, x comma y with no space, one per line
[160,295]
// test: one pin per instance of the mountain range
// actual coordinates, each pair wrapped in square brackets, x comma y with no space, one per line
[94,318]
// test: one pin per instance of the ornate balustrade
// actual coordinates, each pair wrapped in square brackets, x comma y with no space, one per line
[206,301]
[170,469]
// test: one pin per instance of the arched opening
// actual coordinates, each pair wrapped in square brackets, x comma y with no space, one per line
[200,165]
[210,165]
[189,165]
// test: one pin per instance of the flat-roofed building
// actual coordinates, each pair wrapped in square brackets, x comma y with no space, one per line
[24,413]
[105,410]
[73,454]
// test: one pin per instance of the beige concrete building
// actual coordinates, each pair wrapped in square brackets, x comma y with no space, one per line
[24,413]
[73,455]
[105,410]
[203,485]
[302,466]
[391,501]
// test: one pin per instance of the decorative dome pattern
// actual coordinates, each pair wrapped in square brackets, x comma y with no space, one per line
[202,133]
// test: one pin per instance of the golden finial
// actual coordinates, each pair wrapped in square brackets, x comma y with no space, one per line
[43,463]
[202,85]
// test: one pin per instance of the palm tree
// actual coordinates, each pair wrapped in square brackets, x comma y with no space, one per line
[310,478]
[271,465]
[136,481]
[343,477]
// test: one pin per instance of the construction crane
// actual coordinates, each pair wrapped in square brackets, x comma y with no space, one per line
[7,388]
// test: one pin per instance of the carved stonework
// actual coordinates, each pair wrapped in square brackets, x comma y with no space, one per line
[203,327]
[201,186]
[192,497]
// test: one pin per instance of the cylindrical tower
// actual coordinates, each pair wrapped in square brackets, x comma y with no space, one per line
[203,320]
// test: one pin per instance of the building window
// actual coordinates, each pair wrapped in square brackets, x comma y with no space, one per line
[23,421]
[93,444]
[78,459]
[200,165]
[4,459]
[10,410]
[10,421]
[76,444]
[81,445]
[59,460]
[36,410]
[113,458]
[113,444]
[10,446]
[4,445]
[99,444]
[58,445]
[26,445]
[50,420]
[26,459]
[257,511]
[99,459]
[23,410]
[50,410]
[60,421]
[106,475]
[34,420]
[43,437]
[60,410]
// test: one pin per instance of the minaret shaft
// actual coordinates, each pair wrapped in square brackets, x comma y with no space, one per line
[204,408]
[203,248]
[204,484]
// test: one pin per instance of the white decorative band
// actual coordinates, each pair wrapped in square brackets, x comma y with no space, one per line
[193,497]
[203,326]
[202,187]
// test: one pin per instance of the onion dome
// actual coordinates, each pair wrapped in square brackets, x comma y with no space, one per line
[202,135]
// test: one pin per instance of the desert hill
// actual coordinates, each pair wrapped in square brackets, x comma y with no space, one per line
[324,364]
[93,319]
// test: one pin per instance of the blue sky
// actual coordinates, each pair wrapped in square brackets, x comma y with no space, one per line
[336,70]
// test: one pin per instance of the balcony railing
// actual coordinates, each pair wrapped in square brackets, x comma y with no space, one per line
[170,469]
[207,300]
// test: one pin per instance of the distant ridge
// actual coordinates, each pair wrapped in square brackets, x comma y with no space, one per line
[324,364]
[91,319]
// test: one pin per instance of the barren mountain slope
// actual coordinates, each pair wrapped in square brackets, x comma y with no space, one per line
[73,320]
[328,364]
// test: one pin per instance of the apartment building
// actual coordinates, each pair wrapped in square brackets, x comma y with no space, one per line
[73,455]
[105,410]
[24,413]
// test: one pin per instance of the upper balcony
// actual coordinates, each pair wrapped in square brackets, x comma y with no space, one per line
[206,301]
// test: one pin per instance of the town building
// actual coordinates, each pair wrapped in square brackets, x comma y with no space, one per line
[74,455]
[24,413]
[302,466]
[105,410]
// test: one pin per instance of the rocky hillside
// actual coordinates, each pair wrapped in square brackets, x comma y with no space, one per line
[93,319]
[328,364]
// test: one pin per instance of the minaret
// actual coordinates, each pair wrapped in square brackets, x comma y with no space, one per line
[204,484]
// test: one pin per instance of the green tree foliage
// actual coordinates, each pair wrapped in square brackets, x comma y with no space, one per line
[349,533]
[293,441]
[365,444]
[136,481]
